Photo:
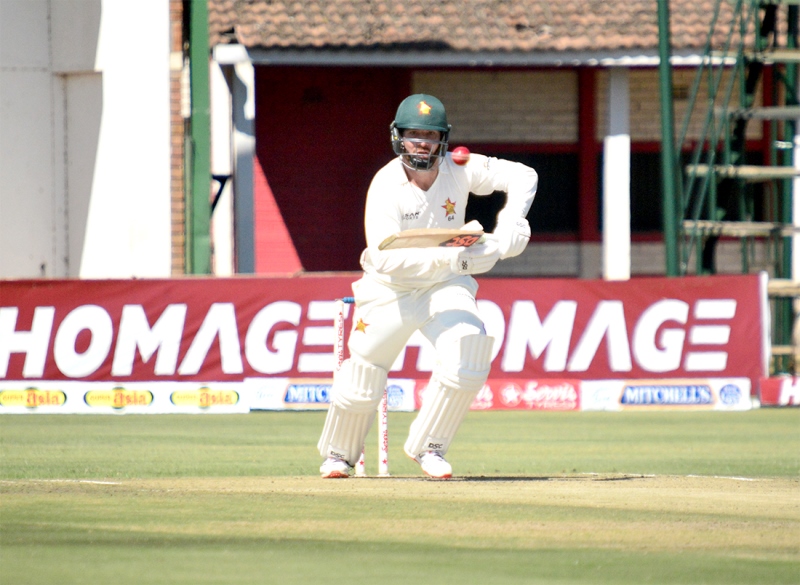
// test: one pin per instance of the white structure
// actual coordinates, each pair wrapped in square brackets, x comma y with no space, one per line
[617,179]
[85,139]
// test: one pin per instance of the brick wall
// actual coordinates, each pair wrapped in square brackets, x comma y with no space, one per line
[542,106]
[177,137]
[645,112]
[584,260]
[508,107]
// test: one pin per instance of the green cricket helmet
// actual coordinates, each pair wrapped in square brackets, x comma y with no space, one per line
[420,112]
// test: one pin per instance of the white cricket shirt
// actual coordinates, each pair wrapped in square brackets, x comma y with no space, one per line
[394,204]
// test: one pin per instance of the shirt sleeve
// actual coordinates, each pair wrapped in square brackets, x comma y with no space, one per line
[518,181]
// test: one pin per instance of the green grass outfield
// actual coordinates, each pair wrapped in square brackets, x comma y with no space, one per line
[561,498]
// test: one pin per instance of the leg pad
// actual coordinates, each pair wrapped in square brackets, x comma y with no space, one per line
[449,396]
[344,433]
[357,390]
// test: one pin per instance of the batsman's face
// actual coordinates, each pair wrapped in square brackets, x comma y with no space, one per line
[421,142]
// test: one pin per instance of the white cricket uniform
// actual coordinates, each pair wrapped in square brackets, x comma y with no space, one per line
[409,289]
[415,288]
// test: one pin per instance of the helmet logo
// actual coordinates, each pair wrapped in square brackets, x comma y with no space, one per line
[424,109]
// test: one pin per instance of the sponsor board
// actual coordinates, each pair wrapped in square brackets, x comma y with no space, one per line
[520,394]
[132,398]
[661,394]
[780,391]
[277,335]
[314,394]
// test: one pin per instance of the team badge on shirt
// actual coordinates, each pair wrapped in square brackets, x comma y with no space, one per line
[449,208]
[361,326]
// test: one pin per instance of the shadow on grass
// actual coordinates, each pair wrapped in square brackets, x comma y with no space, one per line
[512,478]
[502,478]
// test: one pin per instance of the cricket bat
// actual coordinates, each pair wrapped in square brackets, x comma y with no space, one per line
[431,237]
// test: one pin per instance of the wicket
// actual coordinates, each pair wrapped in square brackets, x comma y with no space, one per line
[383,417]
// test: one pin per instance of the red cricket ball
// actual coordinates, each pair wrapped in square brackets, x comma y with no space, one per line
[460,155]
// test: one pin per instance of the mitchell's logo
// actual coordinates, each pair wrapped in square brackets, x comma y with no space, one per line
[424,108]
[32,398]
[118,398]
[204,397]
[667,395]
[307,394]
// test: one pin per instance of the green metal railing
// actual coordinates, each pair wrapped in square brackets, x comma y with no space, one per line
[708,185]
[697,197]
[198,206]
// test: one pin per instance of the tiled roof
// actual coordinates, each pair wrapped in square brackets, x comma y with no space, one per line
[461,26]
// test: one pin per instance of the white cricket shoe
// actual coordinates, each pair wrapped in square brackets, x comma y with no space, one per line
[434,465]
[332,468]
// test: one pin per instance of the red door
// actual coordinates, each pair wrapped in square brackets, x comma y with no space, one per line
[321,134]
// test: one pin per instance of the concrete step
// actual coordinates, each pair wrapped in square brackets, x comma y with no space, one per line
[750,173]
[783,287]
[766,112]
[739,229]
[775,55]
[786,350]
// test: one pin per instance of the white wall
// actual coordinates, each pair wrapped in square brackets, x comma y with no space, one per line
[84,176]
[27,170]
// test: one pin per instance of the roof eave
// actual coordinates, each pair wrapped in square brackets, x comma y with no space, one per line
[230,54]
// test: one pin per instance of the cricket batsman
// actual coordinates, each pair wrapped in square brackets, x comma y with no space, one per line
[427,289]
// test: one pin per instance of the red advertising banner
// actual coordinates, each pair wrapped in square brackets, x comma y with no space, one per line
[229,330]
[642,328]
[780,391]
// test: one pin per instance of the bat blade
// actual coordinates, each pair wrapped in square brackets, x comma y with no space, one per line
[431,238]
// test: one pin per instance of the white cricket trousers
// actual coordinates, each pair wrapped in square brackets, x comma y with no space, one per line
[384,319]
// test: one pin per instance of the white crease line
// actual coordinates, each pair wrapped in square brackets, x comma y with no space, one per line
[617,474]
[635,475]
[67,481]
[725,477]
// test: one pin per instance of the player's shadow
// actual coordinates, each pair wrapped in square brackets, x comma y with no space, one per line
[513,478]
[517,478]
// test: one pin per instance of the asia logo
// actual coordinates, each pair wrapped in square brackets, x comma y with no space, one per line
[118,398]
[204,398]
[32,398]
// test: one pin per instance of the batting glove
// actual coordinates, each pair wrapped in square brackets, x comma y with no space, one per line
[512,237]
[476,259]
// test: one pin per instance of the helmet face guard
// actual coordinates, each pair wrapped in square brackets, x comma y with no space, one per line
[418,161]
[420,112]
